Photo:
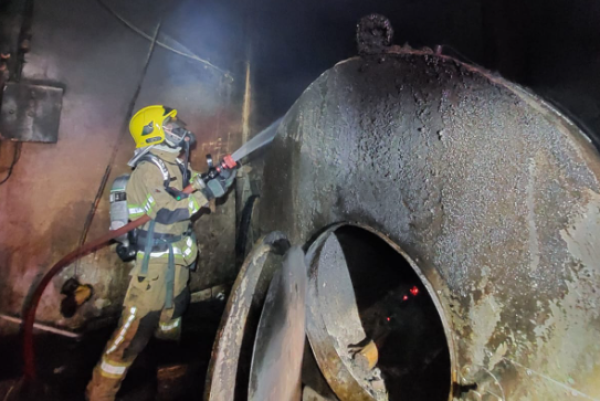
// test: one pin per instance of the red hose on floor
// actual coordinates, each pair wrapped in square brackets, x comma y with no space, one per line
[29,319]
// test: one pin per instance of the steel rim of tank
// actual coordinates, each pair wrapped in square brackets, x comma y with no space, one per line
[275,371]
[223,367]
[323,350]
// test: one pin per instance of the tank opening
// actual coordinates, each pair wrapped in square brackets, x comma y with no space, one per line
[398,313]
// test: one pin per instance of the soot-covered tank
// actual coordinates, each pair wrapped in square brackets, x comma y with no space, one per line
[443,179]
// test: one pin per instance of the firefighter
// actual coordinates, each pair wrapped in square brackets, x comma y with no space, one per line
[166,246]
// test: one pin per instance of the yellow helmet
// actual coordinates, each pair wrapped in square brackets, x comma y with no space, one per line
[146,126]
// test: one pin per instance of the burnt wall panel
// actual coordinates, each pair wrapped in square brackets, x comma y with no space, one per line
[98,58]
[45,203]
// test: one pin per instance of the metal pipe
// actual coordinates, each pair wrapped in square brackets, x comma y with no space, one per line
[41,326]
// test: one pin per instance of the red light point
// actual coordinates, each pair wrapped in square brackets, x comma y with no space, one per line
[405,298]
[388,319]
[414,291]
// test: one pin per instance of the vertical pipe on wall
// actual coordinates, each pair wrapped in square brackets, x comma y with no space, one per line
[246,107]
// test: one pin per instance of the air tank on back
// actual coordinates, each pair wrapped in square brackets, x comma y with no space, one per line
[488,189]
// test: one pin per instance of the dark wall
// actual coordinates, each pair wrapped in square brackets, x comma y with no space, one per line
[294,42]
[550,46]
[564,56]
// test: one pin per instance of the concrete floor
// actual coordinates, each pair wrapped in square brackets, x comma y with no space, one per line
[165,371]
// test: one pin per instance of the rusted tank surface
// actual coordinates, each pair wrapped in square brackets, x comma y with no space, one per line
[489,190]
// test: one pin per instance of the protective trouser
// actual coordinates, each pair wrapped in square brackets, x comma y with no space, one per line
[144,314]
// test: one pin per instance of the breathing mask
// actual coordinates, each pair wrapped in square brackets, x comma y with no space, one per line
[176,135]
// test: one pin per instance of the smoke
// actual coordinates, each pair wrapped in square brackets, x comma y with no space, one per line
[287,43]
[293,42]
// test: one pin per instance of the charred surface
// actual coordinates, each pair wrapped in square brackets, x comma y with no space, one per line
[229,368]
[492,192]
[398,314]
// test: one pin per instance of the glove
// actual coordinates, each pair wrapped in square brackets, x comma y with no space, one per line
[199,184]
[227,177]
[218,186]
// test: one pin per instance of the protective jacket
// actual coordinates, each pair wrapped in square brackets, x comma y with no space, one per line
[157,293]
[146,194]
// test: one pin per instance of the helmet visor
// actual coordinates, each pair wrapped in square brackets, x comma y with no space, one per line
[175,133]
[172,128]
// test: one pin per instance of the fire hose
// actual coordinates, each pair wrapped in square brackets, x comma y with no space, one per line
[29,320]
[28,348]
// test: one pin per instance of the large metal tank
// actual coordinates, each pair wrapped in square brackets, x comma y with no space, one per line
[489,191]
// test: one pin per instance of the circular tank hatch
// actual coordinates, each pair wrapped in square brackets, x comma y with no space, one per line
[364,292]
